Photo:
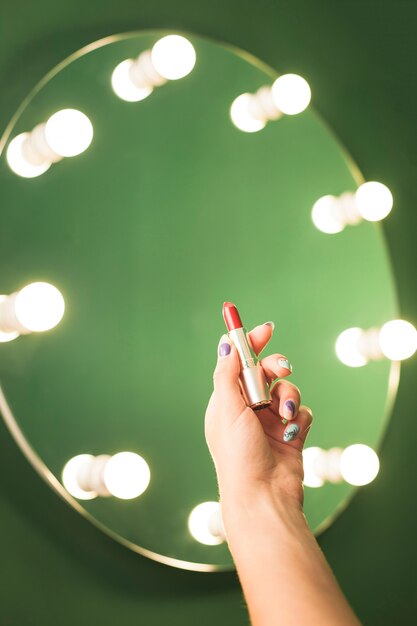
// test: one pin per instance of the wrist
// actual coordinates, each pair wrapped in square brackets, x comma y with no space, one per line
[259,507]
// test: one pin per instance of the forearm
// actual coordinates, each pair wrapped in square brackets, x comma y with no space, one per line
[284,576]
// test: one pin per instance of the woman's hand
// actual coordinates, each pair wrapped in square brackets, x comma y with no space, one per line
[257,451]
[284,575]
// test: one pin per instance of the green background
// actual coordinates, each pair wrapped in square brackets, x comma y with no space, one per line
[170,212]
[56,568]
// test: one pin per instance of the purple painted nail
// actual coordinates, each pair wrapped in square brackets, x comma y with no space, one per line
[289,409]
[224,349]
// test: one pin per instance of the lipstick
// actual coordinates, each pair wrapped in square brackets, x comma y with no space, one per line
[252,378]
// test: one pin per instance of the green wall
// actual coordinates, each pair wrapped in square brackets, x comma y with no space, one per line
[359,58]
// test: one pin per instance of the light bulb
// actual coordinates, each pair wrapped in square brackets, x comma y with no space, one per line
[398,340]
[17,162]
[373,200]
[310,457]
[347,348]
[326,215]
[173,57]
[126,475]
[68,132]
[123,85]
[291,93]
[200,523]
[6,336]
[76,465]
[359,464]
[39,306]
[241,117]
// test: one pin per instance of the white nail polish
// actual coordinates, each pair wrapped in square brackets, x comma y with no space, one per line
[291,432]
[285,363]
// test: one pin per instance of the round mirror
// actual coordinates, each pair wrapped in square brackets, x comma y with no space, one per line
[167,211]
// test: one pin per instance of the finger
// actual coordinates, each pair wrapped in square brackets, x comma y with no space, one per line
[276,366]
[275,429]
[296,431]
[260,336]
[286,399]
[226,377]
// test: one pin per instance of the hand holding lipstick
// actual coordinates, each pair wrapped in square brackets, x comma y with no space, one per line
[284,575]
[251,449]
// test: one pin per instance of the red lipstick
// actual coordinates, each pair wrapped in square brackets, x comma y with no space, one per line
[252,378]
[231,316]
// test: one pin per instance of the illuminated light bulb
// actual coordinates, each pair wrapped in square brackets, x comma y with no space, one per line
[374,201]
[126,475]
[398,340]
[39,306]
[359,464]
[19,164]
[291,94]
[326,215]
[71,476]
[261,106]
[205,524]
[124,86]
[331,466]
[251,112]
[241,116]
[68,132]
[7,335]
[35,308]
[348,350]
[173,57]
[310,458]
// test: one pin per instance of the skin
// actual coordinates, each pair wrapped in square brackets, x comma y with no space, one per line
[285,578]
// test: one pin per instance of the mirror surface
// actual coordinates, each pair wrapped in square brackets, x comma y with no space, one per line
[169,212]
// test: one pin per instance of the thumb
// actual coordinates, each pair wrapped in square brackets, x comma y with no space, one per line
[226,377]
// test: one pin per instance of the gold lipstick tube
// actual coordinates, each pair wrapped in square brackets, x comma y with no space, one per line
[252,378]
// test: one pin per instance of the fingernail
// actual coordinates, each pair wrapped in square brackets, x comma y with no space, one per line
[224,346]
[291,432]
[288,410]
[271,324]
[285,363]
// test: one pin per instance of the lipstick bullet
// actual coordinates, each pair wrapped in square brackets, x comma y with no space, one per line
[252,378]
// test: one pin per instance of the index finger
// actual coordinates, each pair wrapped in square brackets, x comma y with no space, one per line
[260,336]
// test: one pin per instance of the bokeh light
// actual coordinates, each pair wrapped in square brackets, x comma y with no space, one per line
[173,57]
[126,475]
[39,306]
[124,87]
[359,464]
[291,94]
[398,340]
[68,132]
[373,200]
